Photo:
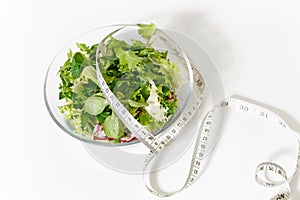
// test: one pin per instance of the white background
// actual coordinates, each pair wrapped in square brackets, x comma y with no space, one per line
[255,45]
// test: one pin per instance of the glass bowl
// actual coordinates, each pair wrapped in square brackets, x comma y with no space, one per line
[98,38]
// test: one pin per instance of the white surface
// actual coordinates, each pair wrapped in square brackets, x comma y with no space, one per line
[255,45]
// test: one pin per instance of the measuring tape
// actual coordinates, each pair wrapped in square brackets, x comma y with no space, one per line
[204,142]
[203,137]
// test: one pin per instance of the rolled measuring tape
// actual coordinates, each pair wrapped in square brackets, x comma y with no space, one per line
[207,135]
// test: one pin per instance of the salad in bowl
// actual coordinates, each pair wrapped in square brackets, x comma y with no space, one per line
[143,68]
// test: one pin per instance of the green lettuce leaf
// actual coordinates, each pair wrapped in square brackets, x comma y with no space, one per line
[89,72]
[113,127]
[95,105]
[147,30]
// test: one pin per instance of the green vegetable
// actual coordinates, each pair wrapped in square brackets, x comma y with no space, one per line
[147,30]
[89,72]
[113,127]
[95,105]
[128,69]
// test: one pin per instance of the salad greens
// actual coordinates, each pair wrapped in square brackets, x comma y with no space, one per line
[142,78]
